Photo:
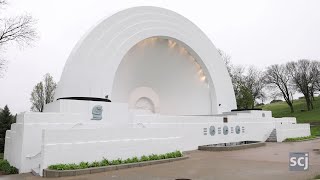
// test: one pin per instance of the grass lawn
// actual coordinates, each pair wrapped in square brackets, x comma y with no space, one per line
[315,130]
[281,109]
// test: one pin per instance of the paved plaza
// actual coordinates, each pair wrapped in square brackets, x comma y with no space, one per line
[268,162]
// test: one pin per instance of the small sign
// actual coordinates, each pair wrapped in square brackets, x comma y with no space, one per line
[298,161]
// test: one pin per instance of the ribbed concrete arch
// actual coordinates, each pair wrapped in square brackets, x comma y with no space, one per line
[92,65]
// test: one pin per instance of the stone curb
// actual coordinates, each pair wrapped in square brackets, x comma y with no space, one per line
[63,173]
[231,148]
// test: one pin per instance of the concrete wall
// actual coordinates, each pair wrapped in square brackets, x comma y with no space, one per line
[42,139]
[91,69]
[292,130]
[23,141]
[74,146]
[175,77]
[115,114]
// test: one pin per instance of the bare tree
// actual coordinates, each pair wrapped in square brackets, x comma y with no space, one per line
[3,2]
[247,82]
[254,82]
[49,88]
[19,30]
[248,85]
[303,78]
[2,66]
[277,77]
[42,93]
[315,79]
[317,82]
[37,98]
[227,60]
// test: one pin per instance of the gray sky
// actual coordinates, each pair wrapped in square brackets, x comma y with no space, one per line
[257,32]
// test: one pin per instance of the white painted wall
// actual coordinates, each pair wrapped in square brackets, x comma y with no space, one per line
[91,69]
[292,131]
[24,140]
[74,146]
[170,71]
[115,114]
[42,139]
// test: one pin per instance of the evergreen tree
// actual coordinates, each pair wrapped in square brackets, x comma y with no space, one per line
[5,123]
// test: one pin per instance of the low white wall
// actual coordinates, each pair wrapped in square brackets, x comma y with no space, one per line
[115,114]
[23,141]
[292,130]
[168,134]
[76,145]
[69,137]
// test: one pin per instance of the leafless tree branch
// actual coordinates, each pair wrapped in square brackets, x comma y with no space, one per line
[19,30]
[277,77]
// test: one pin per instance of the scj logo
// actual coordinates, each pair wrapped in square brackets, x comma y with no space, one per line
[298,161]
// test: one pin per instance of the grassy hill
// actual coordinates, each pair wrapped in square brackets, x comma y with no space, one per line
[281,109]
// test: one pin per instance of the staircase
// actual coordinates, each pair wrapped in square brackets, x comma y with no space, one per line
[273,136]
[35,171]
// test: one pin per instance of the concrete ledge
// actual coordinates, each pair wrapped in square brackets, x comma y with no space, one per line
[231,148]
[63,173]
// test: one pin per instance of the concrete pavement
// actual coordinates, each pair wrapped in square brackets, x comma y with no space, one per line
[263,163]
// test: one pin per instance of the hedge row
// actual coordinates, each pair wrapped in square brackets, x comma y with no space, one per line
[106,162]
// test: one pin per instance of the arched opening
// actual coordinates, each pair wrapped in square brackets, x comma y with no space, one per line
[145,104]
[144,100]
[171,70]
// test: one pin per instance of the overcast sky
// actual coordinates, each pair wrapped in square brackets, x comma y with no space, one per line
[253,32]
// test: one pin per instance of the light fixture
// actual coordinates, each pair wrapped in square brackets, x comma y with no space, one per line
[203,78]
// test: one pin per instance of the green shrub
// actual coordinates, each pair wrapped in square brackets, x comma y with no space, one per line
[127,161]
[178,153]
[94,164]
[153,157]
[84,165]
[135,159]
[116,162]
[59,166]
[144,158]
[104,162]
[162,156]
[72,166]
[7,168]
[170,155]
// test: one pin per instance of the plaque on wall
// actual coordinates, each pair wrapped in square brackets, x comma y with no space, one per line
[225,130]
[238,129]
[97,112]
[212,130]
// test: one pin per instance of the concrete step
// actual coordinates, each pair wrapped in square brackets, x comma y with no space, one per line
[273,136]
[35,171]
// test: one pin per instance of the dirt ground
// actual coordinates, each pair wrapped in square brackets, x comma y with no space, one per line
[263,163]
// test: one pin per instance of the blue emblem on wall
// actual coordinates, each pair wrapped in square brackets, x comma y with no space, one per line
[97,112]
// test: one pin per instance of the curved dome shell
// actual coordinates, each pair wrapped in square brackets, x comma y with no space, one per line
[90,70]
